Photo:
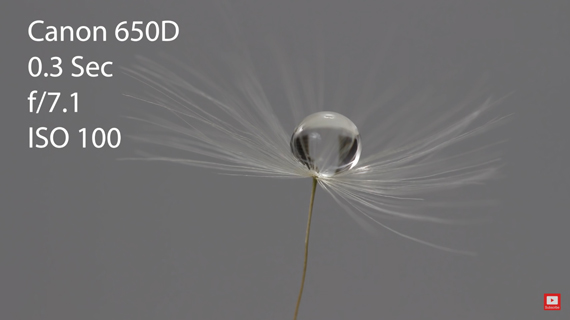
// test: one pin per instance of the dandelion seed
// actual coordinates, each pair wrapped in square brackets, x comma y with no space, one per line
[231,127]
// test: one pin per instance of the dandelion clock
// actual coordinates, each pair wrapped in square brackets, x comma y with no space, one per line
[376,171]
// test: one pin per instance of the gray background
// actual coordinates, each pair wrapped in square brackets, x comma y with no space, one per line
[84,236]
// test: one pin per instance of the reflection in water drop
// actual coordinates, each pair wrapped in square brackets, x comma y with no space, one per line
[327,143]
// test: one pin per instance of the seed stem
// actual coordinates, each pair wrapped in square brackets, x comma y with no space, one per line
[306,246]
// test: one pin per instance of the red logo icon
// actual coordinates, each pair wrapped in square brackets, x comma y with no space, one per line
[552,301]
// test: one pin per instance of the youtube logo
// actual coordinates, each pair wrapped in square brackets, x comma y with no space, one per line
[552,301]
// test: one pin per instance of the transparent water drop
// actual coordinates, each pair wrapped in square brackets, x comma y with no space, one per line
[327,143]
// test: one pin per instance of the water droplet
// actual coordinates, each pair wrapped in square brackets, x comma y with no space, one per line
[327,143]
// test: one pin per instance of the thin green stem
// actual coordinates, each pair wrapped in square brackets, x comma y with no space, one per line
[306,246]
